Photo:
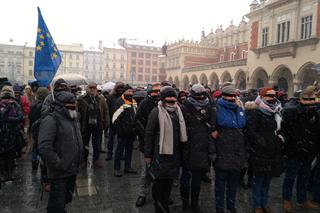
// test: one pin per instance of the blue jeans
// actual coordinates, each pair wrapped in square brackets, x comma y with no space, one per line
[316,183]
[260,191]
[226,180]
[125,143]
[300,170]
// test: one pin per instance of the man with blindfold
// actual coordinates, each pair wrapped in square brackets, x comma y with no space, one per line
[60,146]
[301,127]
[230,148]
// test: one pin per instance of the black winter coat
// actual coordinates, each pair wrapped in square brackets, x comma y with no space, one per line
[164,166]
[60,143]
[141,119]
[200,143]
[266,149]
[301,128]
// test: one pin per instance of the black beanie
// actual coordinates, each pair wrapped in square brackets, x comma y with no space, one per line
[127,87]
[167,91]
[59,83]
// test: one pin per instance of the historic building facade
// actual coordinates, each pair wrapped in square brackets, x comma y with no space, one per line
[116,63]
[278,46]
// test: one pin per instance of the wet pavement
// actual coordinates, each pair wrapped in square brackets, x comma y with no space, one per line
[99,191]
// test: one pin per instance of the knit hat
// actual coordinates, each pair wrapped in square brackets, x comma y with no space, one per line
[59,84]
[264,90]
[165,83]
[217,94]
[308,92]
[228,88]
[42,93]
[16,88]
[65,97]
[167,91]
[197,90]
[297,94]
[7,92]
[127,87]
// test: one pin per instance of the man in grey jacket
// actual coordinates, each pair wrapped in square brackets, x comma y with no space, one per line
[60,146]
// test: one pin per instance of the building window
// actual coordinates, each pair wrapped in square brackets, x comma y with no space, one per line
[147,78]
[134,54]
[155,56]
[121,75]
[148,55]
[70,56]
[148,63]
[154,63]
[232,56]
[244,54]
[122,66]
[283,33]
[140,70]
[306,27]
[30,63]
[139,77]
[140,62]
[154,71]
[107,56]
[147,70]
[265,37]
[122,57]
[30,53]
[154,78]
[77,57]
[133,61]
[77,64]
[87,67]
[114,57]
[221,58]
[141,55]
[70,64]
[30,72]
[114,65]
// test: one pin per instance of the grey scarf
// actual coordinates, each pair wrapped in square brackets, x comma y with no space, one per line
[166,129]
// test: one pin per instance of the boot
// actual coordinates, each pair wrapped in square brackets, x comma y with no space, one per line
[257,210]
[185,199]
[267,210]
[309,205]
[195,200]
[288,207]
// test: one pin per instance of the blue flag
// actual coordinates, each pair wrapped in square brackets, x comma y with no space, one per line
[47,56]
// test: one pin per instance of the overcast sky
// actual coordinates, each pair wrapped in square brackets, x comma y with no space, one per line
[87,21]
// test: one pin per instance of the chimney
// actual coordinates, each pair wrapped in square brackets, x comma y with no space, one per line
[100,47]
[203,34]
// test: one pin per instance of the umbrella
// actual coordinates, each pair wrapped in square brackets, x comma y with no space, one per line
[108,86]
[73,79]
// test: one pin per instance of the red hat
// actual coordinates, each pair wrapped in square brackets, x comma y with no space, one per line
[264,90]
[217,94]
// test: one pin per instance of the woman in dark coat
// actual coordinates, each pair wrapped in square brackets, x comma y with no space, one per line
[263,126]
[164,134]
[11,116]
[200,120]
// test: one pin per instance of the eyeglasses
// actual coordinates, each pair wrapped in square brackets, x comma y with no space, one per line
[155,91]
[270,95]
[308,99]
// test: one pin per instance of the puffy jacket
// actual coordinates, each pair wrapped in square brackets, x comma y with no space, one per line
[141,118]
[301,128]
[11,116]
[164,166]
[200,143]
[60,144]
[231,147]
[266,149]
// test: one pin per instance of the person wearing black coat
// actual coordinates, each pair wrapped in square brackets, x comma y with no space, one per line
[112,106]
[11,115]
[301,128]
[200,120]
[263,126]
[60,146]
[141,119]
[164,134]
[123,124]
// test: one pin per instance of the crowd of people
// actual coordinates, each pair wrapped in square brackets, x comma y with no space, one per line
[257,134]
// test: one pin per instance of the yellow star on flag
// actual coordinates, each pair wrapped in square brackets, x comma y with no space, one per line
[48,35]
[54,55]
[41,43]
[41,36]
[38,48]
[39,30]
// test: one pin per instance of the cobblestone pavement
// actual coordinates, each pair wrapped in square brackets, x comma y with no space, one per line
[99,191]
